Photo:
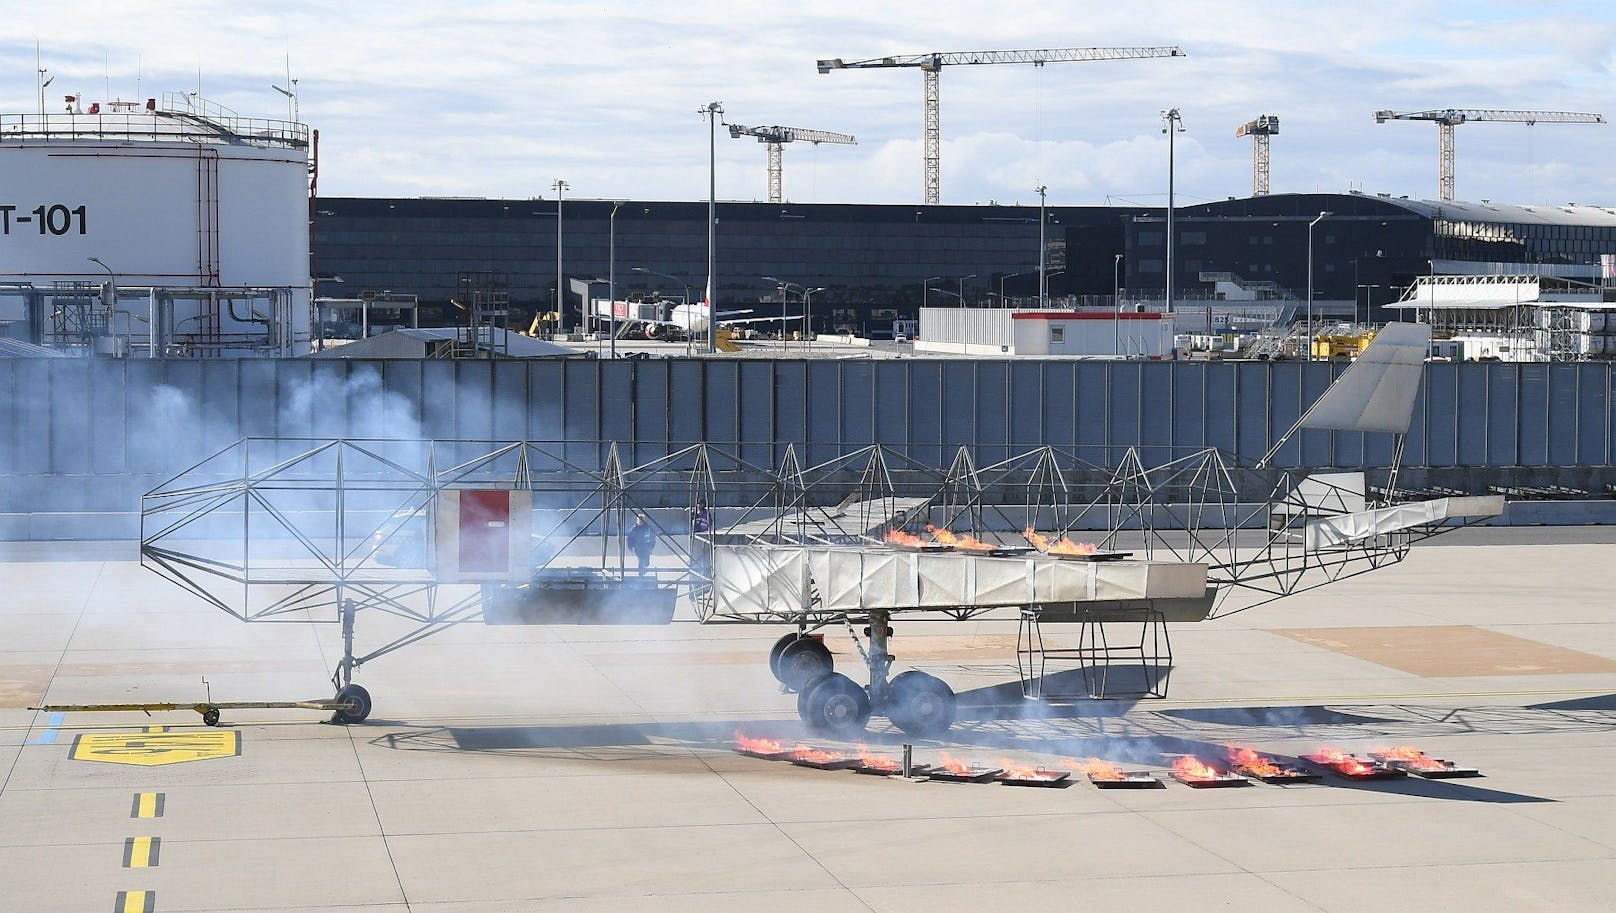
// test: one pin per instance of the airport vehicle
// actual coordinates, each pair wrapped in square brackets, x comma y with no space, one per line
[532,532]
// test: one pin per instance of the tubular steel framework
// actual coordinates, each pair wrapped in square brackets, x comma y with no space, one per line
[318,530]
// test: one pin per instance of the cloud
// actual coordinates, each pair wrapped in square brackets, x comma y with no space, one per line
[498,98]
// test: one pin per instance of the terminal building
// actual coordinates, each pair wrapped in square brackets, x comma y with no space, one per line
[880,263]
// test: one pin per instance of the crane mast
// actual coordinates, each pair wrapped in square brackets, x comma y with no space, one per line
[1260,129]
[931,65]
[775,137]
[1448,118]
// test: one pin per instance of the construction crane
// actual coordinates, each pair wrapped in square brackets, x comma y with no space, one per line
[775,137]
[1448,118]
[931,64]
[1259,130]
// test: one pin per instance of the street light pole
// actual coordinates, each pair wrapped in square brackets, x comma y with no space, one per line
[611,271]
[560,187]
[962,288]
[808,317]
[1002,299]
[712,111]
[925,290]
[1320,218]
[1043,248]
[1172,125]
[1116,304]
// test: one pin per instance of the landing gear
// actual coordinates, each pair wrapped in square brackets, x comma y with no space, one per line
[355,701]
[210,716]
[835,705]
[921,705]
[800,660]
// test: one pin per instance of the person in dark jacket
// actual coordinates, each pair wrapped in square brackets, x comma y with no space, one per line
[642,540]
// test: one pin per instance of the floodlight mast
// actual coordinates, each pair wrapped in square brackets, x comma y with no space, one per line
[931,64]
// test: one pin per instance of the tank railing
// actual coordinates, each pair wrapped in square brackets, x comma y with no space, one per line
[162,126]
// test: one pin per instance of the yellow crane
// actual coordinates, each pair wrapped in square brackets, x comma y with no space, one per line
[774,137]
[1448,118]
[1259,130]
[932,64]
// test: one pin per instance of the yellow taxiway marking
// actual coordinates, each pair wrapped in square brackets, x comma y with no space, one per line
[154,749]
[147,805]
[141,852]
[135,902]
[156,728]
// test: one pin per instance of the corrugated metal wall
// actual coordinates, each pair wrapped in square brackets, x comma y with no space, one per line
[80,416]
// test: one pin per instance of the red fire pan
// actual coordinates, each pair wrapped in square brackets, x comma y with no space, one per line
[1221,780]
[1131,779]
[1363,769]
[974,775]
[1040,777]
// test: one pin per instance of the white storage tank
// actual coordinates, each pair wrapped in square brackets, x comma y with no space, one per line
[200,217]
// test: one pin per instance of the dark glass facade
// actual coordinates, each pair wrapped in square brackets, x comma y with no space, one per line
[874,262]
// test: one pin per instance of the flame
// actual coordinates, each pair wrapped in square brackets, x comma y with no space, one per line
[878,761]
[1343,762]
[899,537]
[760,746]
[959,540]
[1020,772]
[1247,761]
[1411,757]
[1194,768]
[803,752]
[1063,547]
[1101,770]
[956,766]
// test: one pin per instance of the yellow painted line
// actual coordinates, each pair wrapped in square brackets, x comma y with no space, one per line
[154,749]
[147,805]
[141,852]
[156,728]
[135,902]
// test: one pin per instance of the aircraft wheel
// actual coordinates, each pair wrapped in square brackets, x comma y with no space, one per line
[778,648]
[836,705]
[922,705]
[210,716]
[357,705]
[801,661]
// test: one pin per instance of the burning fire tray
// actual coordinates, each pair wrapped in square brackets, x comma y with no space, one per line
[1092,556]
[822,760]
[927,547]
[1215,781]
[1423,765]
[1039,777]
[973,775]
[1352,767]
[1130,779]
[1283,775]
[764,755]
[889,767]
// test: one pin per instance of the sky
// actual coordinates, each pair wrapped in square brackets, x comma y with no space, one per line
[498,98]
